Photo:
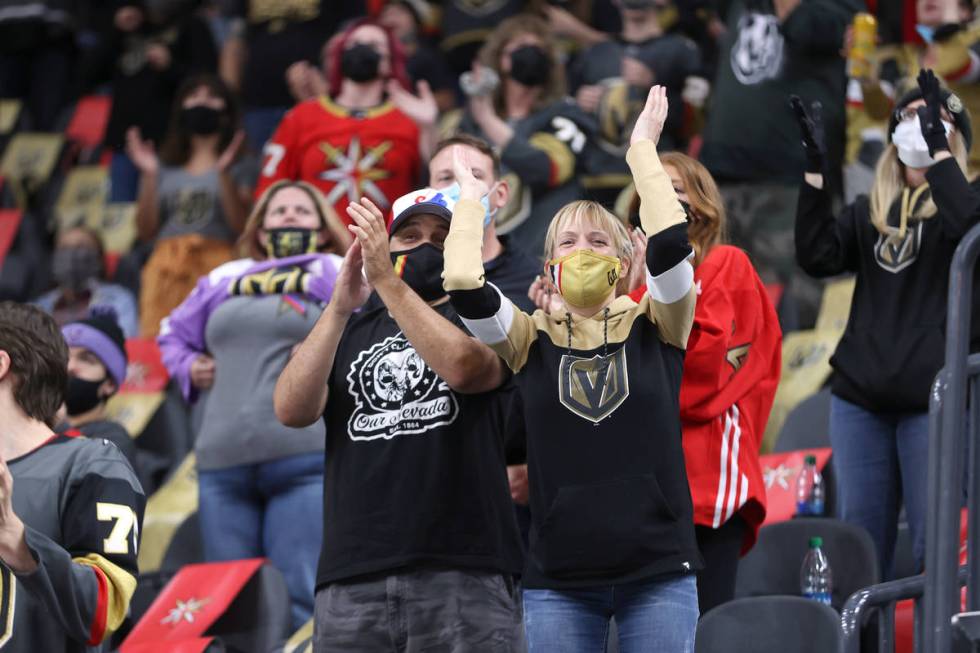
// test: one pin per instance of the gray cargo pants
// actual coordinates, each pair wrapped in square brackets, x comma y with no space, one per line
[432,610]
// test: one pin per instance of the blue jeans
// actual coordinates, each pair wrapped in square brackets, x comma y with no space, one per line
[272,510]
[124,179]
[651,617]
[260,124]
[881,460]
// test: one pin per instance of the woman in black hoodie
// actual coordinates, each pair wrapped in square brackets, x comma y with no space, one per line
[899,242]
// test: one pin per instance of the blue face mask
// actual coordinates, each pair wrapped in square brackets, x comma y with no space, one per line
[927,33]
[452,192]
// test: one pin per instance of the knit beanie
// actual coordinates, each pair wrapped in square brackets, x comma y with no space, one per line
[101,335]
[952,104]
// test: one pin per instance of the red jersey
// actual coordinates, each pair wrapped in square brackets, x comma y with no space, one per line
[731,371]
[346,154]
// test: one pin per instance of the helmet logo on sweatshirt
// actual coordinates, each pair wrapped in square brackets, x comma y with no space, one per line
[396,393]
[894,255]
[757,55]
[593,388]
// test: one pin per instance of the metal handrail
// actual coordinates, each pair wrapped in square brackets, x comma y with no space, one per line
[882,597]
[941,600]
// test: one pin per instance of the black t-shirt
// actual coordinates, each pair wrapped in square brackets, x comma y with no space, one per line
[430,64]
[279,34]
[415,472]
[513,272]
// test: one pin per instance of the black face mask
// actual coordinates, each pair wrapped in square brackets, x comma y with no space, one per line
[529,65]
[360,63]
[290,241]
[200,120]
[82,396]
[73,267]
[687,209]
[421,269]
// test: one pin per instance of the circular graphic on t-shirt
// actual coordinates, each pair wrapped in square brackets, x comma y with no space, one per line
[757,54]
[396,393]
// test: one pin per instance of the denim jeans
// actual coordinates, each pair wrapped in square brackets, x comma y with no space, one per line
[881,460]
[124,179]
[273,510]
[260,124]
[651,616]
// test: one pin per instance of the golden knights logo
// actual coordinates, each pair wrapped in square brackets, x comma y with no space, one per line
[274,281]
[895,255]
[593,387]
[617,111]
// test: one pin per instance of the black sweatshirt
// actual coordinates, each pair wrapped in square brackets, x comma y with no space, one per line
[610,501]
[894,342]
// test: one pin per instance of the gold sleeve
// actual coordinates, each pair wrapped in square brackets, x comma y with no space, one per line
[464,248]
[659,207]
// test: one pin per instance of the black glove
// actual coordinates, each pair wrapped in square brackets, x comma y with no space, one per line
[933,130]
[811,127]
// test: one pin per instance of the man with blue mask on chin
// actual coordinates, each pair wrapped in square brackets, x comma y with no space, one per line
[508,268]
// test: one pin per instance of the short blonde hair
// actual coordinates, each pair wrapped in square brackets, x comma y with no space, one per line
[595,214]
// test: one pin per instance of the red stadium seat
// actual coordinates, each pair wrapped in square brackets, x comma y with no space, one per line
[88,123]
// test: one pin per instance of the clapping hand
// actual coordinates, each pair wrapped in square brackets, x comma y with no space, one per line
[421,108]
[930,116]
[470,188]
[372,235]
[811,129]
[141,153]
[650,123]
[351,289]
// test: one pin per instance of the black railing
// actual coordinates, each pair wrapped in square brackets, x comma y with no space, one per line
[946,448]
[880,600]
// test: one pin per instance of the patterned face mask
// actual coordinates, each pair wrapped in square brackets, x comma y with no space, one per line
[584,278]
[290,241]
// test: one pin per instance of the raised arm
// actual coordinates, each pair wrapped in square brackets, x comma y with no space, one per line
[461,361]
[144,157]
[491,317]
[301,391]
[825,246]
[670,275]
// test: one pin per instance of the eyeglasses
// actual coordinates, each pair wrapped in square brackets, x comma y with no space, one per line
[910,113]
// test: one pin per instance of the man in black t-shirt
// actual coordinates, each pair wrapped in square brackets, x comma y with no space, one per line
[422,548]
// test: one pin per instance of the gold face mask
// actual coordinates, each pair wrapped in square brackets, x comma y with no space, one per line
[584,278]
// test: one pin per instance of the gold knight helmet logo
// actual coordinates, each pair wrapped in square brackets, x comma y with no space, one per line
[593,388]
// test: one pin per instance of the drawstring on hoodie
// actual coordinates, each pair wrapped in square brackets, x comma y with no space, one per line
[909,200]
[605,331]
[568,325]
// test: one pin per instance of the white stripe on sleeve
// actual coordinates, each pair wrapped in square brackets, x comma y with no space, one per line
[672,285]
[494,329]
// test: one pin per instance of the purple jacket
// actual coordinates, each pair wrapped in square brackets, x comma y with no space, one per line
[182,334]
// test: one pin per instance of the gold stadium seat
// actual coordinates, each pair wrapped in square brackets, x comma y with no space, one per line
[29,161]
[806,357]
[82,198]
[166,510]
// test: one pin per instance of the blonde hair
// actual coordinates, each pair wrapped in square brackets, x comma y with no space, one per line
[249,244]
[592,213]
[889,183]
[506,31]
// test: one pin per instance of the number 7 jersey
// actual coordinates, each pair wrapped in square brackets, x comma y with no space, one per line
[82,507]
[346,154]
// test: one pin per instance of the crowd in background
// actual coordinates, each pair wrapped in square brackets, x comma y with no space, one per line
[258,140]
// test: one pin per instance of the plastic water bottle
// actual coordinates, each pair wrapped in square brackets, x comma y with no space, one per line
[816,579]
[809,489]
